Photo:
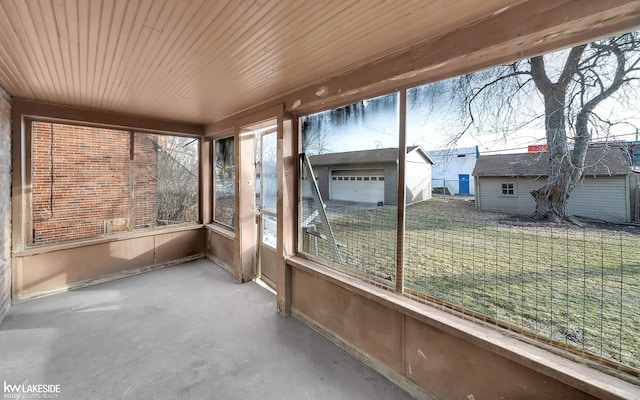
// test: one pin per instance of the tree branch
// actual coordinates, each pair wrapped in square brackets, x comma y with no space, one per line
[539,75]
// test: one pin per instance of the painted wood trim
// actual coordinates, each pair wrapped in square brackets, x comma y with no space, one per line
[244,270]
[107,239]
[252,117]
[286,208]
[502,342]
[19,163]
[66,114]
[205,180]
[499,38]
[402,191]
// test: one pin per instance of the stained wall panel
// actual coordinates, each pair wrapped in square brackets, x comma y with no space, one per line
[452,368]
[179,245]
[5,202]
[54,268]
[220,248]
[371,327]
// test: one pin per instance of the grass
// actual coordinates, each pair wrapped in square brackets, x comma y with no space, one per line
[579,286]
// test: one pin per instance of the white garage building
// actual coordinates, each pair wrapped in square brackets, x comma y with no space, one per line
[371,176]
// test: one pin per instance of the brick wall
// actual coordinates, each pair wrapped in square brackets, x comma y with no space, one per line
[82,182]
[5,202]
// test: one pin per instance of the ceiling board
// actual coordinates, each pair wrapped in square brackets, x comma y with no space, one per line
[201,61]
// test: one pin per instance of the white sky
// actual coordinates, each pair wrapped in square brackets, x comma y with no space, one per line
[433,129]
[433,125]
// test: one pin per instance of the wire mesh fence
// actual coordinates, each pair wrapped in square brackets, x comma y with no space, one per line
[356,238]
[574,287]
[365,236]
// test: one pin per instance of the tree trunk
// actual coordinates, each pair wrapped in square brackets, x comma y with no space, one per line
[551,202]
[551,199]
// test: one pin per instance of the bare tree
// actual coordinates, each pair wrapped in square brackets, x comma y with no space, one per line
[224,149]
[315,140]
[576,87]
[177,179]
[225,181]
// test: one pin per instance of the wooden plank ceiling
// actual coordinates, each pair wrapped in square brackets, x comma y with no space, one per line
[203,60]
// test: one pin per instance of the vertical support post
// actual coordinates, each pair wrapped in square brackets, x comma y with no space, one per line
[21,180]
[205,198]
[244,267]
[132,178]
[402,156]
[286,207]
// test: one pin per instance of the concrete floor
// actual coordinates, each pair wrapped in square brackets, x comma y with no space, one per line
[185,332]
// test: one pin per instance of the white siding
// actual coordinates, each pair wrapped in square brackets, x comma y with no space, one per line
[602,198]
[417,178]
[490,199]
[449,164]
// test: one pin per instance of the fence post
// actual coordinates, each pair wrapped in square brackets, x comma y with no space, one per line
[402,191]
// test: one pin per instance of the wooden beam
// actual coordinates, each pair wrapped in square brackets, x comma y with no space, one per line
[528,29]
[66,114]
[402,191]
[245,244]
[524,30]
[206,169]
[255,118]
[286,207]
[20,181]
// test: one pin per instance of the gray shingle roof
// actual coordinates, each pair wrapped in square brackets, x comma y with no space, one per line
[598,161]
[364,157]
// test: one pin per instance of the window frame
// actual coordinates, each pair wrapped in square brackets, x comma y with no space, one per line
[24,240]
[214,180]
[508,186]
[512,186]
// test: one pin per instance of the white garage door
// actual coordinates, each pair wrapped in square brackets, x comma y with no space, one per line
[365,185]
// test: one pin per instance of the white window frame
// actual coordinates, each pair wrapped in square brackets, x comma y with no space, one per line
[504,185]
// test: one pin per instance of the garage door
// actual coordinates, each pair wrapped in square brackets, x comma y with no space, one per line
[365,185]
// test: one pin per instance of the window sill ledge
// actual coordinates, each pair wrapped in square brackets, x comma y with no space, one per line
[222,230]
[47,248]
[507,344]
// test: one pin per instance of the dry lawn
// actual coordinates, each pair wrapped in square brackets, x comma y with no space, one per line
[576,285]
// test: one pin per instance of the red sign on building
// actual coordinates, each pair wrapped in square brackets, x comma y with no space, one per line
[537,148]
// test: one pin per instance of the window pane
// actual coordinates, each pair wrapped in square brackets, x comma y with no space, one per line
[349,223]
[268,173]
[225,190]
[166,180]
[145,180]
[269,230]
[86,184]
[80,181]
[484,250]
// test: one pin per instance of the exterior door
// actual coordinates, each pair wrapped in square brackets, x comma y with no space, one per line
[266,200]
[463,180]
